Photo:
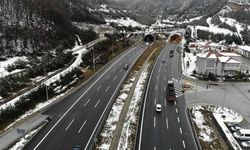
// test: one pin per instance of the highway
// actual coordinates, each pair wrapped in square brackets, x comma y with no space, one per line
[77,118]
[170,128]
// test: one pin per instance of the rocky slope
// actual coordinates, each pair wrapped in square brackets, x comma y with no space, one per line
[34,26]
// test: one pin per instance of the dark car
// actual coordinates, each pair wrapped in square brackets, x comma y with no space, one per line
[171,53]
[77,147]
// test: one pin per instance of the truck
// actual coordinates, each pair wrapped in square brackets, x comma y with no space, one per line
[171,92]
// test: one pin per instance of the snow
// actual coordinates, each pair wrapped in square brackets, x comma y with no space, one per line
[53,79]
[111,122]
[230,54]
[8,62]
[233,23]
[232,61]
[228,118]
[221,115]
[245,47]
[212,56]
[205,131]
[125,22]
[36,109]
[223,59]
[215,30]
[23,141]
[187,71]
[131,118]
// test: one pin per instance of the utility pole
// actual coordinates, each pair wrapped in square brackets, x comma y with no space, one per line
[93,59]
[46,88]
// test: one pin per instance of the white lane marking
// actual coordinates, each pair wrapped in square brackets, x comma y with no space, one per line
[154,121]
[176,110]
[69,125]
[97,103]
[115,69]
[180,130]
[178,119]
[154,148]
[165,78]
[183,143]
[155,101]
[125,54]
[108,77]
[115,78]
[159,69]
[164,88]
[82,126]
[167,122]
[87,102]
[157,77]
[174,102]
[144,105]
[156,87]
[99,87]
[165,102]
[107,89]
[120,70]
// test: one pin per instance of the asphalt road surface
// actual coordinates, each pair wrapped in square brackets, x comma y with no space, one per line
[170,128]
[76,118]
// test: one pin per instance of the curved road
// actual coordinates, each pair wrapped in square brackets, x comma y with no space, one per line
[77,118]
[170,129]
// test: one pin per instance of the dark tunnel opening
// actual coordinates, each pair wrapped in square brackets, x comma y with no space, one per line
[149,38]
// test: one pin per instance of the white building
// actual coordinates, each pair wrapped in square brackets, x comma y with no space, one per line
[218,63]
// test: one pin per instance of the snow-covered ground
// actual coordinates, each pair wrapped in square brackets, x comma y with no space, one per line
[126,22]
[53,79]
[129,127]
[110,124]
[188,70]
[23,141]
[8,62]
[205,132]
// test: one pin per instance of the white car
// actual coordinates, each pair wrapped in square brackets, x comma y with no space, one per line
[245,144]
[158,108]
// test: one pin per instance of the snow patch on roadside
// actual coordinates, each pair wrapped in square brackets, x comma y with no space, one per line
[188,70]
[129,127]
[23,141]
[110,124]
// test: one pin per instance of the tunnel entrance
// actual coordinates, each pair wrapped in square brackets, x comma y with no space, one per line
[149,38]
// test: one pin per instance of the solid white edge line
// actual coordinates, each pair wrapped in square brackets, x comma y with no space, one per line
[97,103]
[69,124]
[123,78]
[144,106]
[82,96]
[82,126]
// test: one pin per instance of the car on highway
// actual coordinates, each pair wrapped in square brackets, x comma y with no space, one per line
[77,147]
[158,108]
[126,66]
[245,144]
[163,61]
[171,96]
[171,53]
